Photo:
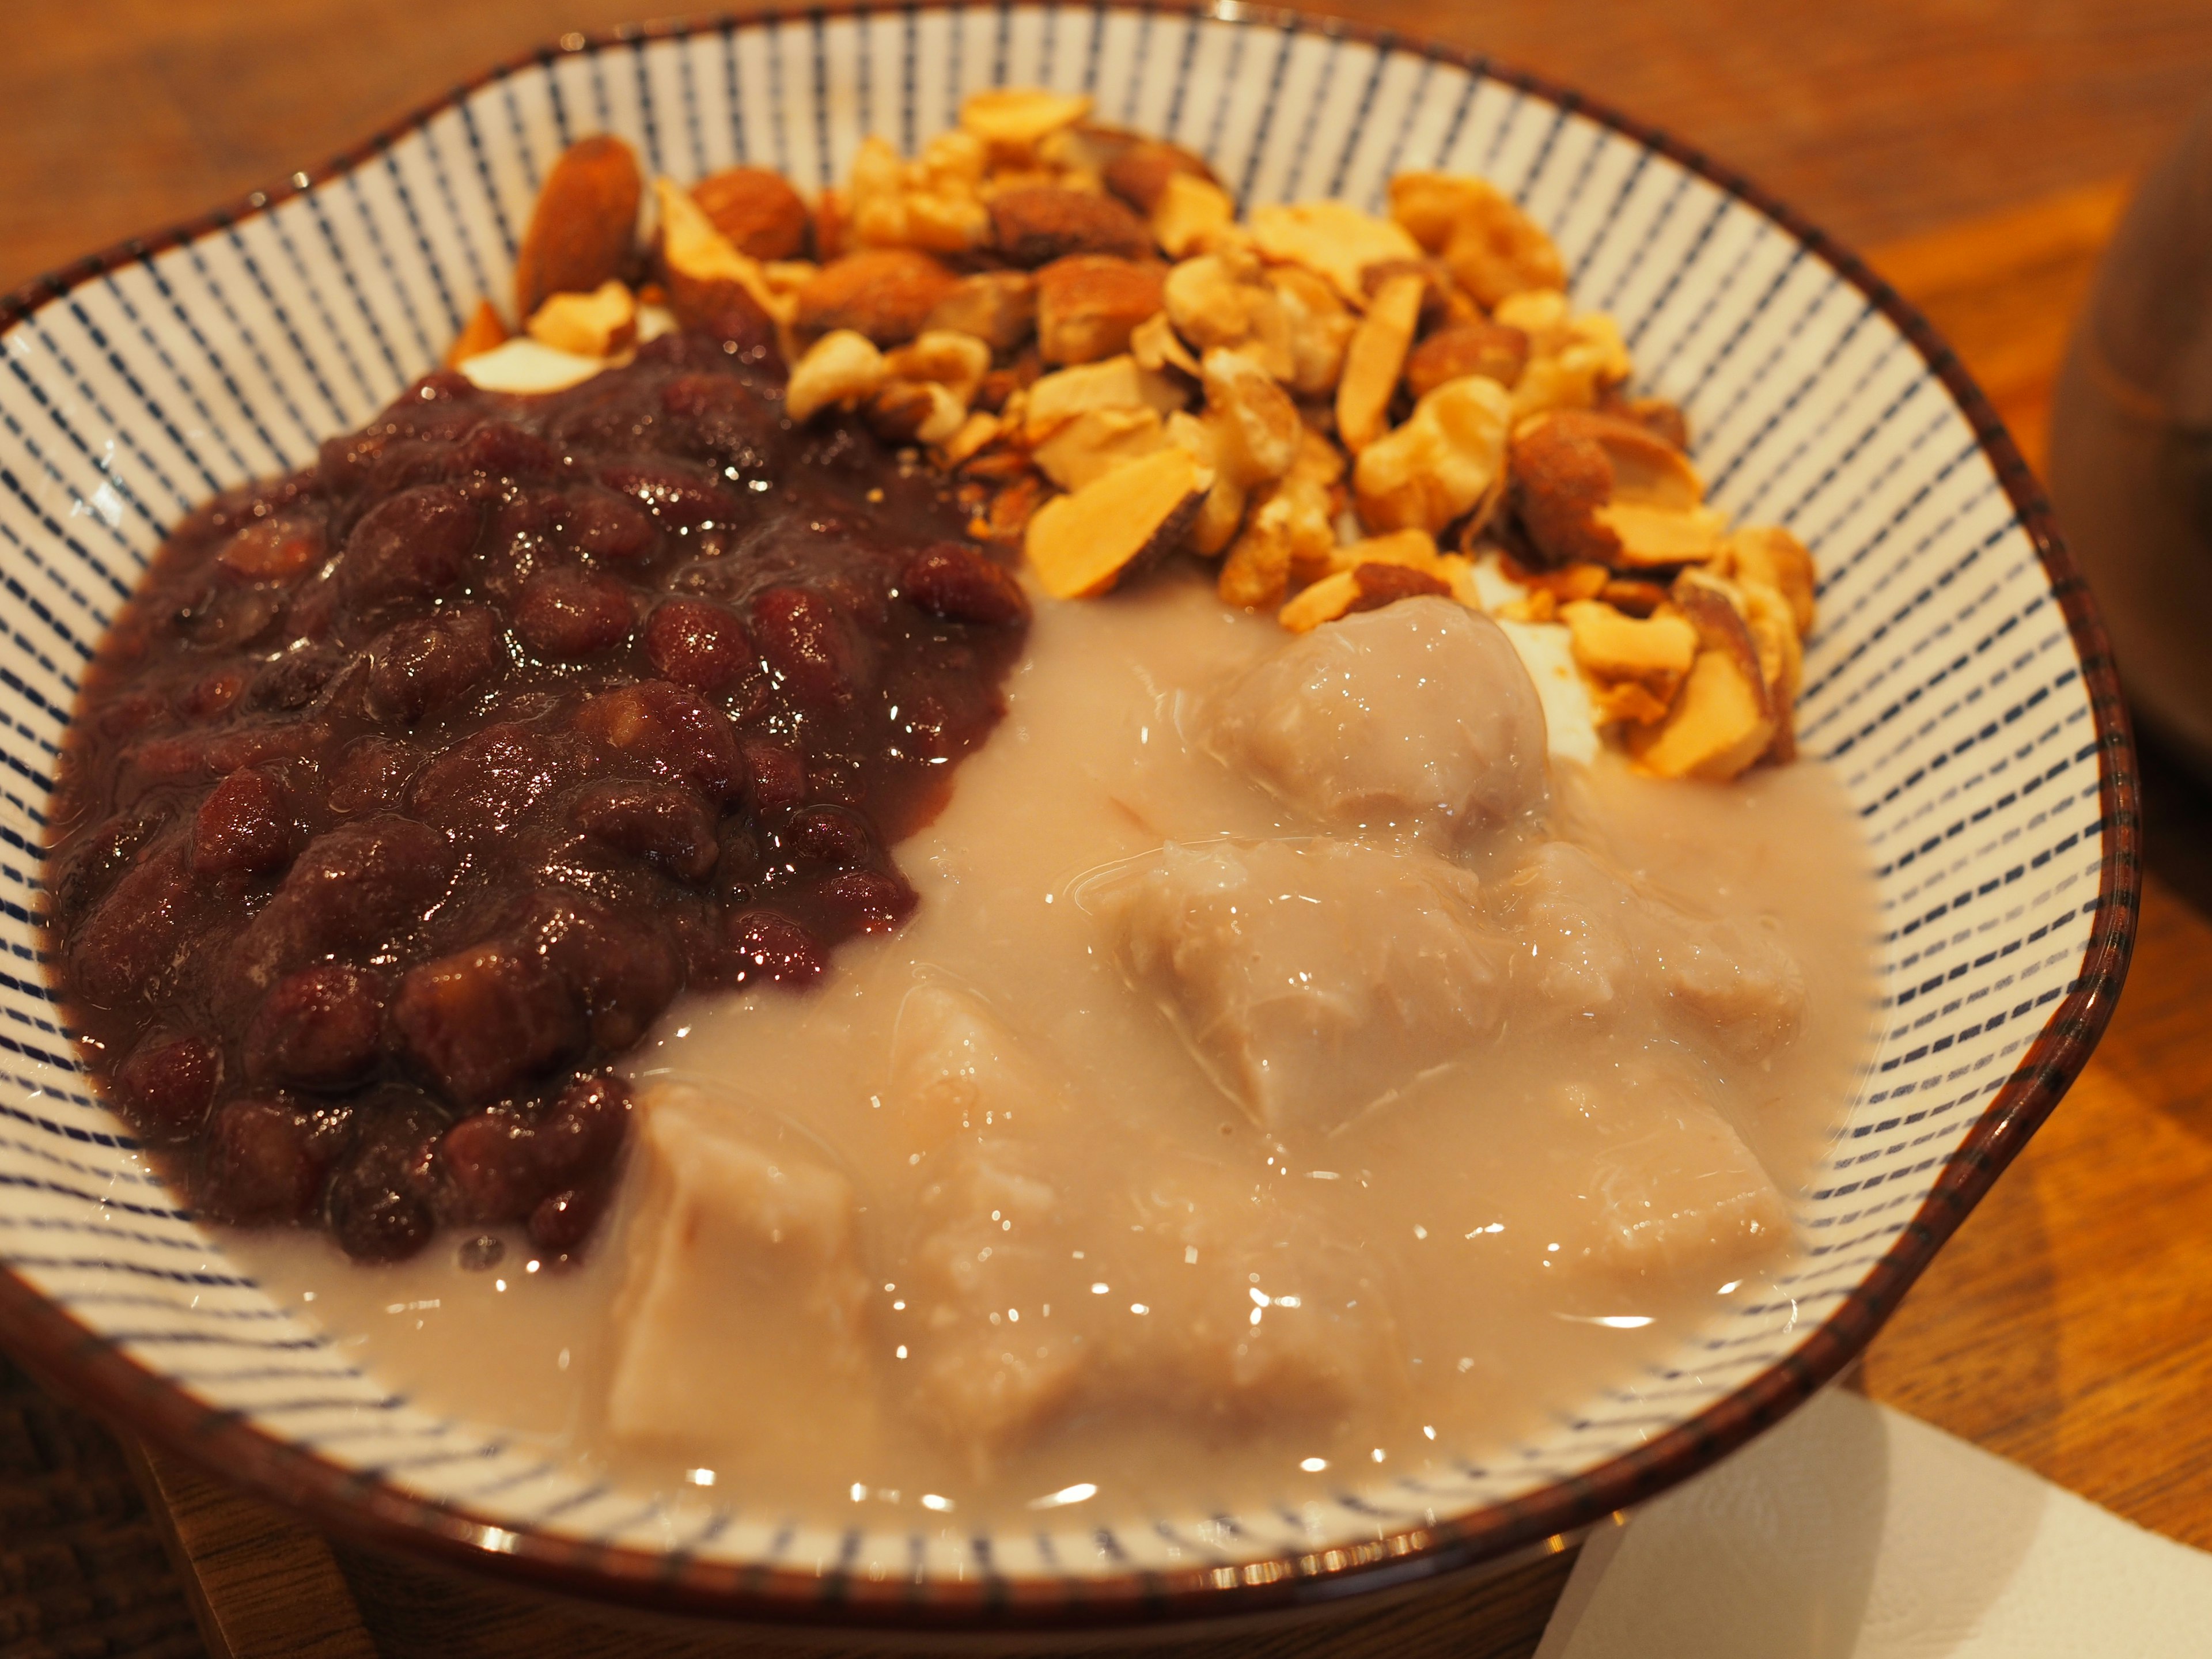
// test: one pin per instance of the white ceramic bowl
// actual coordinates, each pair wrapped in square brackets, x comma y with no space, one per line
[1958,683]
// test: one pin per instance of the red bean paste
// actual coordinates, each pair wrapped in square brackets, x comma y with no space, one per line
[409,789]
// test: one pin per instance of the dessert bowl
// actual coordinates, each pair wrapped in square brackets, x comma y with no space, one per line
[1958,685]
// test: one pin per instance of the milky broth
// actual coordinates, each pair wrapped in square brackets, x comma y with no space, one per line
[1433,1219]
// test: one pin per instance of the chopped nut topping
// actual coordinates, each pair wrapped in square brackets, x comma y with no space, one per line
[1448,458]
[1333,240]
[1089,304]
[594,325]
[1492,249]
[1374,359]
[1474,348]
[842,368]
[998,308]
[1019,118]
[1082,543]
[1188,213]
[956,362]
[1257,427]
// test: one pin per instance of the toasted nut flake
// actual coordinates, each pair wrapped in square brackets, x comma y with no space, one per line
[1652,536]
[1626,703]
[1771,555]
[1082,543]
[1633,597]
[1332,596]
[930,203]
[483,331]
[904,411]
[1561,476]
[1221,514]
[712,286]
[841,368]
[1095,443]
[1479,347]
[1415,549]
[1257,428]
[1374,359]
[1382,583]
[1036,224]
[1220,300]
[1020,118]
[1333,240]
[1188,213]
[957,362]
[884,293]
[595,325]
[1573,361]
[1015,507]
[1089,304]
[1656,652]
[1492,249]
[762,216]
[1156,346]
[1647,470]
[1111,383]
[585,224]
[1662,420]
[998,308]
[1719,723]
[523,365]
[1445,461]
[975,433]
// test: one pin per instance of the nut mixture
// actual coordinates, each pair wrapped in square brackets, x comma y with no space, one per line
[1340,409]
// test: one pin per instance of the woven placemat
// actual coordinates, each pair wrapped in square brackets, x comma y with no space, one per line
[83,1573]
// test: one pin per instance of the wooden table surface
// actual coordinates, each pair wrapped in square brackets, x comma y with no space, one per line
[1979,152]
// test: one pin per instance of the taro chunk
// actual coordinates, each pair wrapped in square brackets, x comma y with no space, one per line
[1312,979]
[742,1312]
[1417,719]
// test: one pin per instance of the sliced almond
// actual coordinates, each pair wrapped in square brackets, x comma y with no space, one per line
[1324,601]
[1080,544]
[595,325]
[841,368]
[1374,359]
[1334,239]
[1117,382]
[1415,549]
[1020,118]
[1446,460]
[524,366]
[1095,443]
[583,227]
[1654,536]
[1222,514]
[1188,213]
[975,433]
[483,331]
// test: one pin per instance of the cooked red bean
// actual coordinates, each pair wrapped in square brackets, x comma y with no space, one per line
[566,616]
[245,825]
[699,644]
[319,1029]
[165,1085]
[666,823]
[960,584]
[345,768]
[262,1164]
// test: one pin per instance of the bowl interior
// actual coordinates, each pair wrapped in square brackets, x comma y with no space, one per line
[1946,685]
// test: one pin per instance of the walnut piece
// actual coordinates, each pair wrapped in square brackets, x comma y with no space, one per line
[842,367]
[1448,459]
[955,360]
[1256,426]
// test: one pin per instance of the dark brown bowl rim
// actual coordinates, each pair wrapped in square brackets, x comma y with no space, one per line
[90,1370]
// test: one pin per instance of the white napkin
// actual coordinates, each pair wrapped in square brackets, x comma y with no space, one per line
[1854,1532]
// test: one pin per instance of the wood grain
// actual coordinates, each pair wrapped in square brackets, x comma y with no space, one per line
[1879,119]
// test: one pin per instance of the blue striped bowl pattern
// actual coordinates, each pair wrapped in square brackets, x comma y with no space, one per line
[1958,684]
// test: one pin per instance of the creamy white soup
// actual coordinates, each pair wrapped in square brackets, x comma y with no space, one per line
[1291,1074]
